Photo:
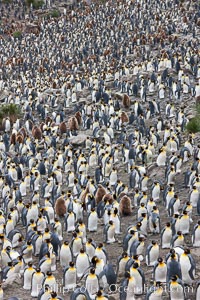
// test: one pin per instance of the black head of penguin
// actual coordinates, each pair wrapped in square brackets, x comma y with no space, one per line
[49,273]
[71,264]
[160,260]
[127,275]
[94,260]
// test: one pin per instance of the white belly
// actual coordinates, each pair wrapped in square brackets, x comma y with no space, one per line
[70,279]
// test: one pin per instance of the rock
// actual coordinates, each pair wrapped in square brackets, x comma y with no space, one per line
[78,140]
[13,281]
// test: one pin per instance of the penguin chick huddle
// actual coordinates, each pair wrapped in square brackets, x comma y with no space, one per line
[99,180]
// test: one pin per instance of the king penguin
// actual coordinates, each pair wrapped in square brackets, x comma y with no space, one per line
[166,236]
[28,272]
[92,284]
[127,288]
[66,255]
[121,263]
[188,267]
[36,281]
[70,276]
[160,270]
[176,289]
[82,263]
[152,253]
[155,292]
[196,235]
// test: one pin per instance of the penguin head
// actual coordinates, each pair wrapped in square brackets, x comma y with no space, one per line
[28,243]
[10,264]
[71,264]
[30,264]
[187,251]
[48,273]
[89,240]
[135,265]
[100,245]
[160,260]
[53,295]
[127,275]
[158,284]
[32,221]
[74,234]
[92,271]
[132,232]
[174,278]
[8,249]
[138,225]
[124,254]
[99,293]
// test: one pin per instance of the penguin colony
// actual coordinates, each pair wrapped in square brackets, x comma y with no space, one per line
[99,181]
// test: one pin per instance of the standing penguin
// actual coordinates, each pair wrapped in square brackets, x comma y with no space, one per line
[177,239]
[127,288]
[154,221]
[137,273]
[82,263]
[28,272]
[155,192]
[160,270]
[92,283]
[76,244]
[70,219]
[197,291]
[50,280]
[45,263]
[196,235]
[27,251]
[166,236]
[173,267]
[109,277]
[90,247]
[36,281]
[174,205]
[162,156]
[188,267]
[80,293]
[152,253]
[194,196]
[184,223]
[101,253]
[176,289]
[70,276]
[155,292]
[92,220]
[65,254]
[109,232]
[121,263]
[116,220]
